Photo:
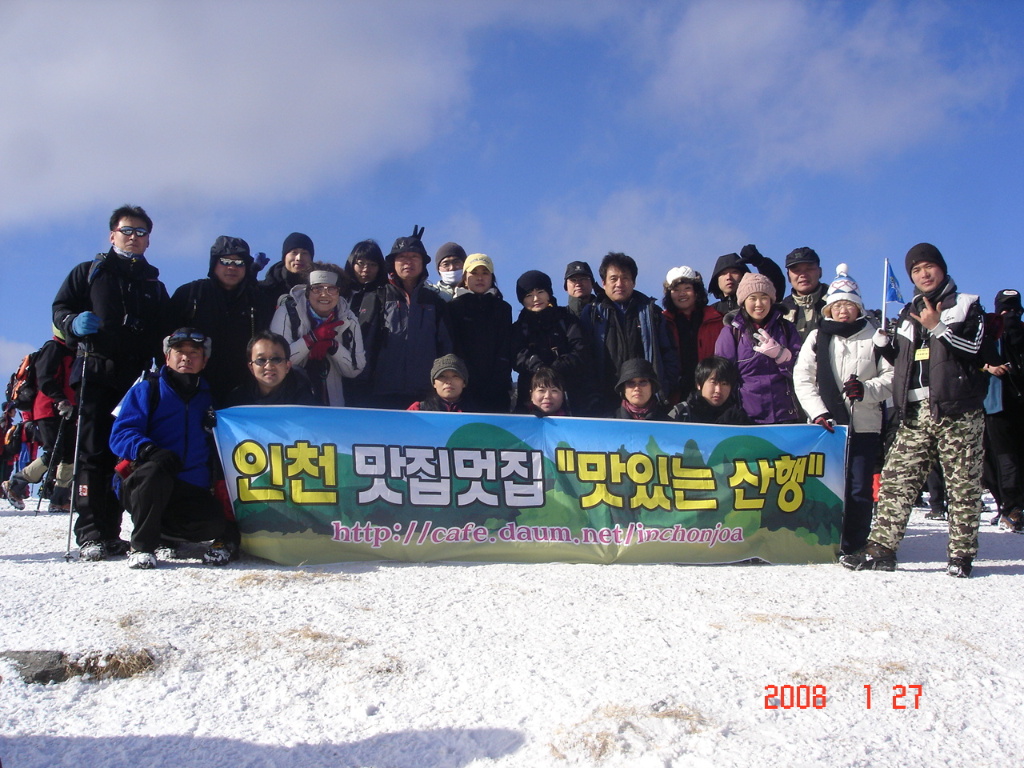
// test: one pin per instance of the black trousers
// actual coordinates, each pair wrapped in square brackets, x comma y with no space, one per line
[162,506]
[98,510]
[1005,432]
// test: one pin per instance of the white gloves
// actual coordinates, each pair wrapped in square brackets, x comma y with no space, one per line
[769,347]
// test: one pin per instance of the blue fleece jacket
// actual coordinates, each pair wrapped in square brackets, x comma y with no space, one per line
[176,425]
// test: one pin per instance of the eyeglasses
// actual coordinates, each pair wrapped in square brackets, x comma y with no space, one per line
[186,334]
[321,289]
[226,262]
[263,362]
[137,231]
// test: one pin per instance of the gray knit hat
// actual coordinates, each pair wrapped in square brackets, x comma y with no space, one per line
[449,363]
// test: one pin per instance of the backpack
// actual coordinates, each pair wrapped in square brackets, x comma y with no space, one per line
[12,440]
[23,387]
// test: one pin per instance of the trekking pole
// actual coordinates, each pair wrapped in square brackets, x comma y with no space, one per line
[49,477]
[83,349]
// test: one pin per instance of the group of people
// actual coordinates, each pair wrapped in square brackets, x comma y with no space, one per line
[377,332]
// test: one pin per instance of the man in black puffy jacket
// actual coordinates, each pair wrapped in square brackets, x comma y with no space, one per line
[229,307]
[112,310]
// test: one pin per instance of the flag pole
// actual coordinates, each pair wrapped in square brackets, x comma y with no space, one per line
[885,290]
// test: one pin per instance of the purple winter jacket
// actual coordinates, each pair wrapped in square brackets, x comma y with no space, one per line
[766,388]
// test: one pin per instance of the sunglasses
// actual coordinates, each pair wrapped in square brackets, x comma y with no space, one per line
[226,262]
[263,362]
[137,231]
[187,334]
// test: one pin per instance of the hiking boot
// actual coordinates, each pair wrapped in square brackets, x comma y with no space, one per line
[871,557]
[960,567]
[17,500]
[61,498]
[935,515]
[168,550]
[220,553]
[1012,521]
[92,551]
[141,561]
[116,547]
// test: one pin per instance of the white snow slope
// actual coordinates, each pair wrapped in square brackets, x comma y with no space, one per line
[453,665]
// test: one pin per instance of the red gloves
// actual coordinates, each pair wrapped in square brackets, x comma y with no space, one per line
[825,422]
[853,388]
[321,339]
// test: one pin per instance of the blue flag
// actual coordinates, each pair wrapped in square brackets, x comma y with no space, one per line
[892,286]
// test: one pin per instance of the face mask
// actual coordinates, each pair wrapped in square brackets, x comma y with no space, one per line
[451,278]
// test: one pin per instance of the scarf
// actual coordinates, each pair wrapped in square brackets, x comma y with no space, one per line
[636,411]
[828,387]
[807,309]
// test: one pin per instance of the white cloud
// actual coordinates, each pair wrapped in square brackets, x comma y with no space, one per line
[659,228]
[225,101]
[777,85]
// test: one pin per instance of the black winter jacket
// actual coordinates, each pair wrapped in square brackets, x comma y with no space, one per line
[481,336]
[641,331]
[956,384]
[696,410]
[230,319]
[294,390]
[130,300]
[552,338]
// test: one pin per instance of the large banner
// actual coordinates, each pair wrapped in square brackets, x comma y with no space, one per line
[325,485]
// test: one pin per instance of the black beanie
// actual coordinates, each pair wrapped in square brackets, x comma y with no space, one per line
[925,252]
[531,281]
[297,240]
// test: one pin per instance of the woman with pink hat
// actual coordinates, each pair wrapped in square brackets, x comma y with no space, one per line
[764,346]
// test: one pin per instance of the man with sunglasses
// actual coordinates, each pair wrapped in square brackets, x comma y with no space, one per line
[168,484]
[229,306]
[274,381]
[111,309]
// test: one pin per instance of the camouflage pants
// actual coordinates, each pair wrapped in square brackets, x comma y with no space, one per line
[957,443]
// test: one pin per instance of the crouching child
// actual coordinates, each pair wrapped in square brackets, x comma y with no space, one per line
[714,400]
[449,377]
[160,429]
[547,394]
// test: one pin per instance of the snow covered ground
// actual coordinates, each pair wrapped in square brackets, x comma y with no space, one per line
[412,666]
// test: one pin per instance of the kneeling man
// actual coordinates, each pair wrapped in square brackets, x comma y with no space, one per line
[161,430]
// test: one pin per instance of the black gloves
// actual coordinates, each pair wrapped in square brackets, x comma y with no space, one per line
[166,459]
[750,255]
[853,389]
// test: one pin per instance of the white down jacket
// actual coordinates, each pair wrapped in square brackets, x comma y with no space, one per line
[852,355]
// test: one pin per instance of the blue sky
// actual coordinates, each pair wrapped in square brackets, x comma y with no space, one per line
[536,132]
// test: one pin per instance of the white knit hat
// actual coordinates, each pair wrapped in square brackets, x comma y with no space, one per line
[843,288]
[689,274]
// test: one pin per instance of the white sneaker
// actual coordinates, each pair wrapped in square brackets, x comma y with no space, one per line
[141,560]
